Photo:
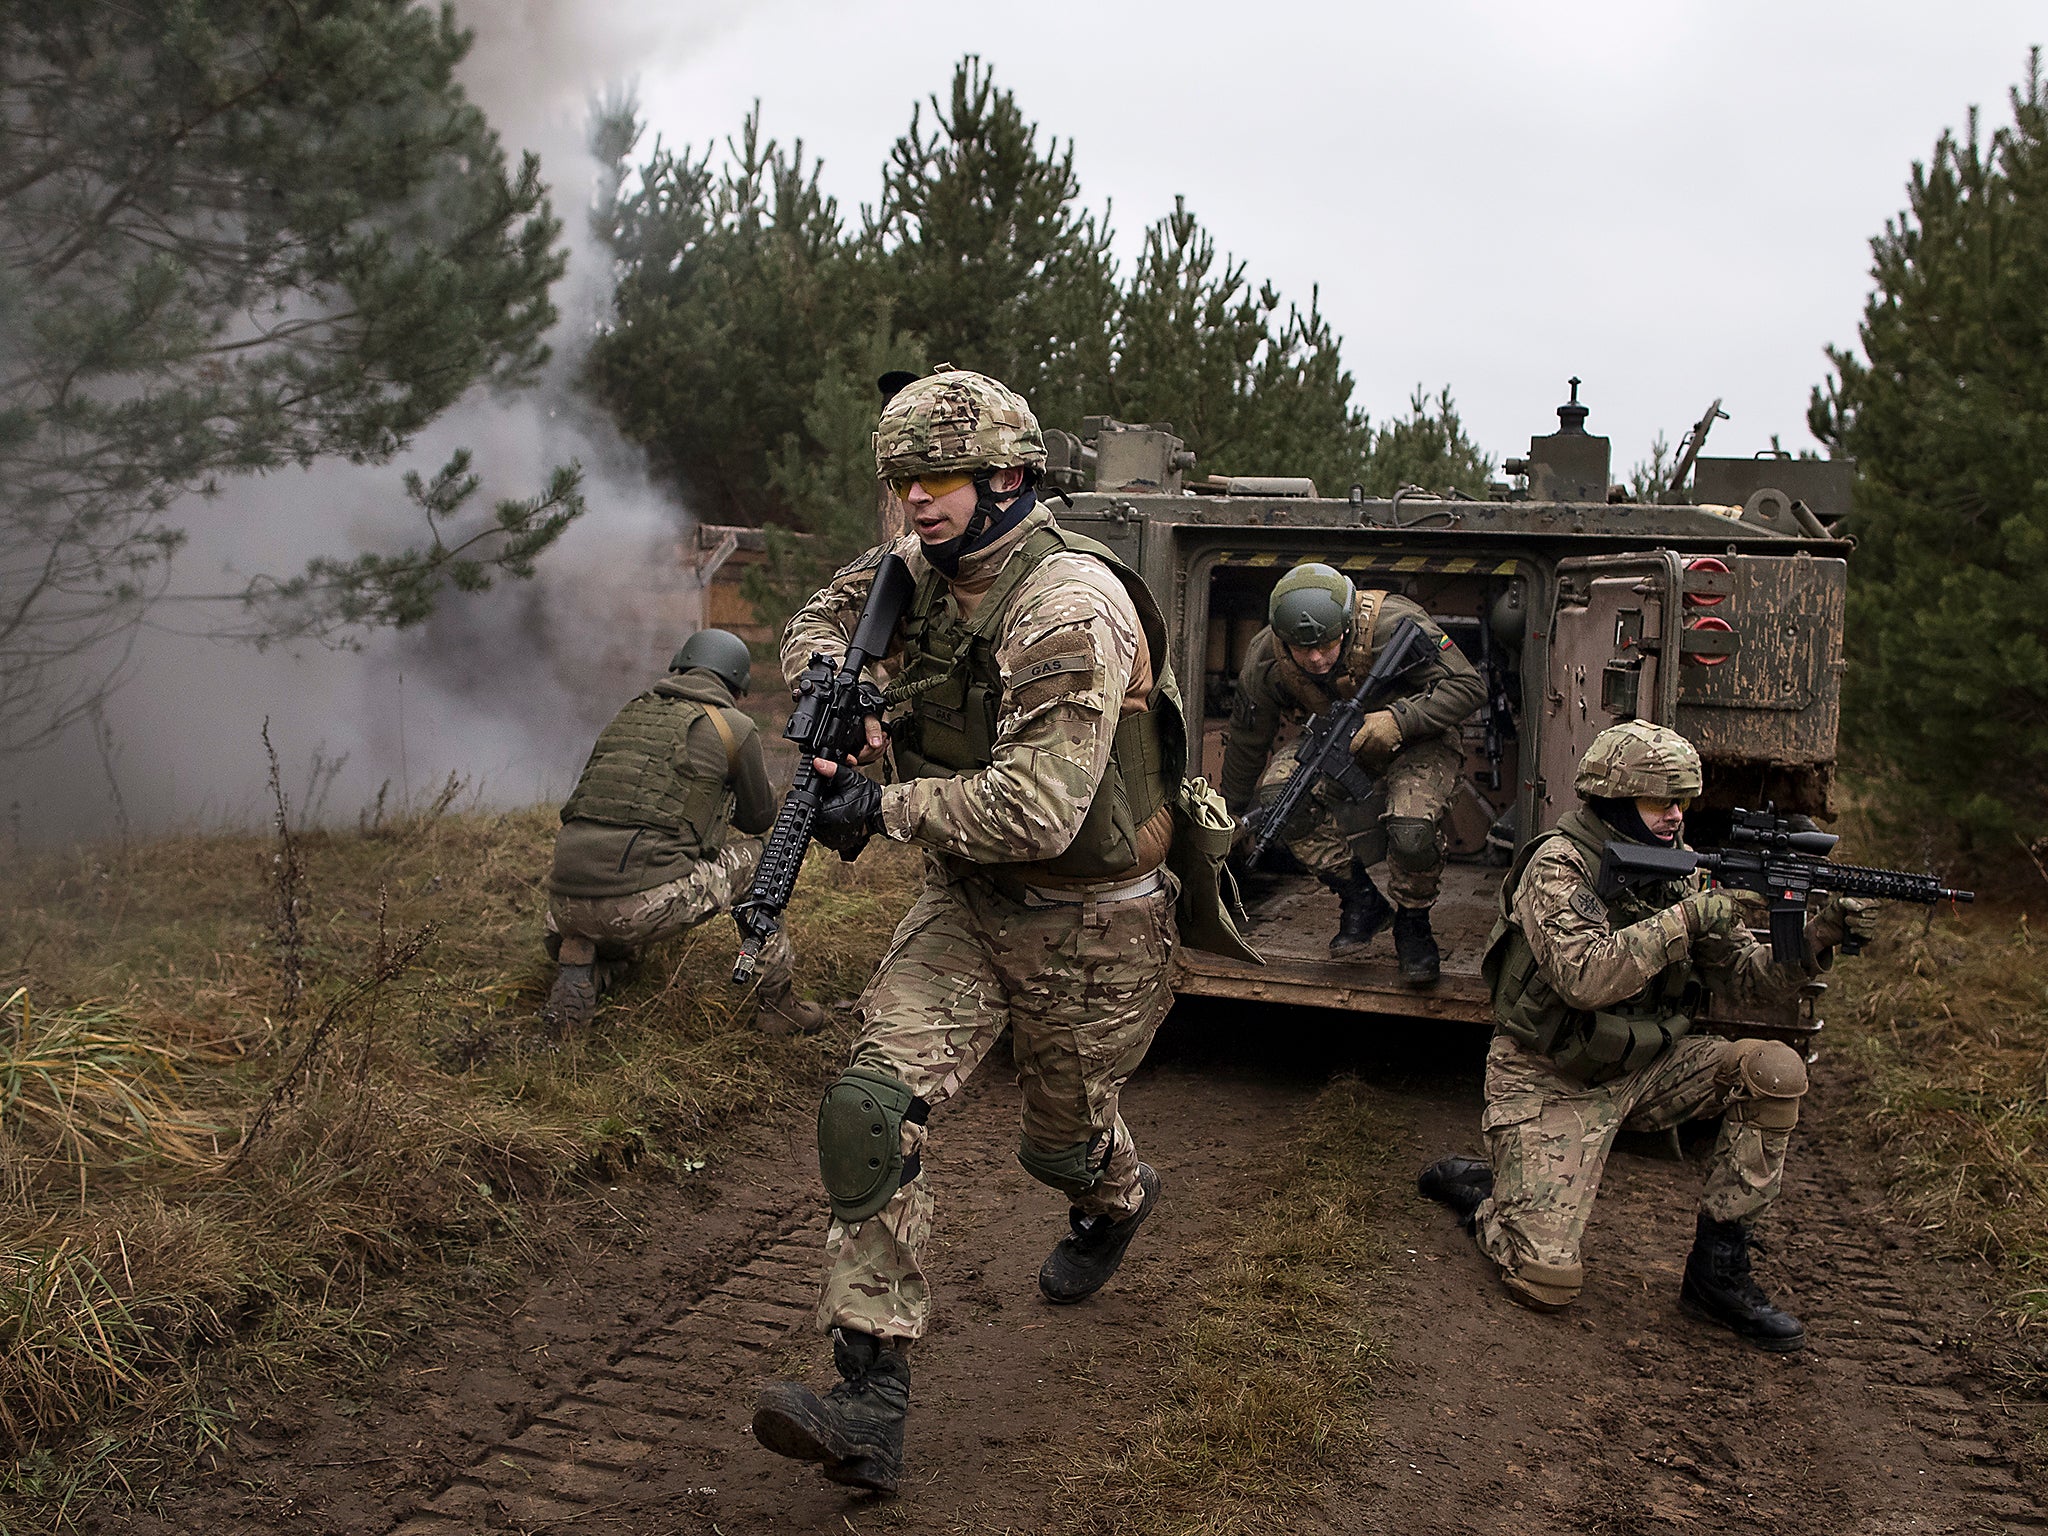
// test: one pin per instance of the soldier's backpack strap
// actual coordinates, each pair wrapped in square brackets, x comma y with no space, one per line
[725,734]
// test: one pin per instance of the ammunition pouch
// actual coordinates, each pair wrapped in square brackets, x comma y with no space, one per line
[860,1141]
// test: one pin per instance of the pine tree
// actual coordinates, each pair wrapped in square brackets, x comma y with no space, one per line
[737,287]
[1946,413]
[980,241]
[236,236]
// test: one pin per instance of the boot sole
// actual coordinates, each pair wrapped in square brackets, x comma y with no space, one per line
[1136,1219]
[1701,1313]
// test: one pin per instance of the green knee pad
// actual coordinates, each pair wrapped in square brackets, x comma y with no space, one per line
[1070,1170]
[1412,844]
[860,1140]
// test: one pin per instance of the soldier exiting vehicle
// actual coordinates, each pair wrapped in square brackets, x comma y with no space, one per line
[1595,997]
[1320,641]
[647,848]
[1041,750]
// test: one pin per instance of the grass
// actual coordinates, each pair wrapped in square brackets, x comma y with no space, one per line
[1261,1399]
[210,1182]
[1946,1021]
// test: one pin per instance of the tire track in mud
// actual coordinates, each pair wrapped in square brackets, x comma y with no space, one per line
[1626,1417]
[656,1395]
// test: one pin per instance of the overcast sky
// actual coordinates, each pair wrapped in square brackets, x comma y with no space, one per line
[1673,202]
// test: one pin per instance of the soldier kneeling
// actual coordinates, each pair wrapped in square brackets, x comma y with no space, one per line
[647,849]
[1595,997]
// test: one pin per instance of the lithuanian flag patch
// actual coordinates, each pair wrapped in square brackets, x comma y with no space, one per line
[1443,642]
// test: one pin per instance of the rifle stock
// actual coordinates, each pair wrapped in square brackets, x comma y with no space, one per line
[833,702]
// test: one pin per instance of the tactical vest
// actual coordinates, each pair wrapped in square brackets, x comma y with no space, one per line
[1614,1040]
[641,774]
[954,688]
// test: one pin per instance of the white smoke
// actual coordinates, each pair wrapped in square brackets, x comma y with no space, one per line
[503,690]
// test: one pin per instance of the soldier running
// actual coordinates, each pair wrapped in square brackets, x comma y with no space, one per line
[1318,645]
[1040,754]
[647,849]
[1595,997]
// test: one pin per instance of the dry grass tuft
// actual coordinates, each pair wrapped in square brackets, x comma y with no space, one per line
[413,1131]
[1262,1398]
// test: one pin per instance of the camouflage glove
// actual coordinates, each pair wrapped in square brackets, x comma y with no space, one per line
[1843,917]
[1709,914]
[849,813]
[1378,738]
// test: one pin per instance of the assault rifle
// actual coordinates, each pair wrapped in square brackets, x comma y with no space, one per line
[1325,748]
[1766,854]
[832,706]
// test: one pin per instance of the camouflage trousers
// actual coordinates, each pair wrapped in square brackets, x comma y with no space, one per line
[1548,1136]
[1082,989]
[1331,829]
[612,927]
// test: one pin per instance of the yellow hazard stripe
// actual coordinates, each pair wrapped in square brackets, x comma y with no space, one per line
[1448,565]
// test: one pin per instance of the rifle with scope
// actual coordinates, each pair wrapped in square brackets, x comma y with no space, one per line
[833,704]
[1784,864]
[1325,747]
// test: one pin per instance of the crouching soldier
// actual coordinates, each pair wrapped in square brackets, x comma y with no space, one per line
[647,846]
[1319,643]
[1595,995]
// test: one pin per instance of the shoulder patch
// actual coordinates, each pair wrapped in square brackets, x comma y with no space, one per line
[1443,642]
[1588,906]
[1061,663]
[865,561]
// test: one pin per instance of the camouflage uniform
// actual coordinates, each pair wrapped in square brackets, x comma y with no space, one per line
[1595,998]
[1077,972]
[1403,824]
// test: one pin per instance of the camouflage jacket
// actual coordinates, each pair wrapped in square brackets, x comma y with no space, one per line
[1272,689]
[1053,733]
[1593,962]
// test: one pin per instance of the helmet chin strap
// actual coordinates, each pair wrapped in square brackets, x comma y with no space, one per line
[989,521]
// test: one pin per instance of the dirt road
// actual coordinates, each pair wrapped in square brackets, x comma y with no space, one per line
[613,1395]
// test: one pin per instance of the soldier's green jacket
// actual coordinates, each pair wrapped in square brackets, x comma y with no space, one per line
[659,792]
[1055,729]
[1272,689]
[1564,958]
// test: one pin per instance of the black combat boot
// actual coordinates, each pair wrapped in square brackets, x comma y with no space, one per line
[1415,947]
[1462,1183]
[573,999]
[855,1431]
[1086,1257]
[1718,1289]
[1362,910]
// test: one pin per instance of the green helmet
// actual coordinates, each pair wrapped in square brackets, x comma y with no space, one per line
[1636,759]
[955,420]
[717,651]
[1312,605]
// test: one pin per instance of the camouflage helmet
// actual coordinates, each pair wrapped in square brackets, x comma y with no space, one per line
[955,420]
[717,651]
[1312,605]
[1638,759]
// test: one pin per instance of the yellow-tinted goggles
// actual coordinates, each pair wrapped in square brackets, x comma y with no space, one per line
[935,486]
[1683,802]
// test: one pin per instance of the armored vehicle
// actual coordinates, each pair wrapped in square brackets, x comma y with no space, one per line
[1719,613]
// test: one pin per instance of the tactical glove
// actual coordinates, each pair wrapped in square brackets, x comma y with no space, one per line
[1709,913]
[1844,917]
[1378,738]
[850,812]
